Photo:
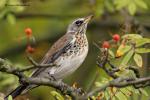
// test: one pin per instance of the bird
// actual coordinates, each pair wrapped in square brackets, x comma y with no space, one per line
[67,53]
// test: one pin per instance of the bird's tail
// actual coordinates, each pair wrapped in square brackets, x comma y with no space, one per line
[17,91]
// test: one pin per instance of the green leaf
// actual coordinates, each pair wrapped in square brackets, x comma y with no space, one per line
[126,91]
[106,94]
[10,97]
[141,4]
[132,8]
[142,41]
[98,84]
[132,36]
[99,8]
[124,48]
[2,3]
[57,95]
[16,9]
[11,18]
[93,98]
[121,3]
[138,59]
[111,53]
[136,91]
[130,88]
[3,13]
[121,96]
[109,5]
[144,92]
[142,50]
[127,57]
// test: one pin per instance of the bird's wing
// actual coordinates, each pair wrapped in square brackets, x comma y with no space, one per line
[59,47]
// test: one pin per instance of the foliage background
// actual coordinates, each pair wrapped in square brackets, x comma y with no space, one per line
[49,19]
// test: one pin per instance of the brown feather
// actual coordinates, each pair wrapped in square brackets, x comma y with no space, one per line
[58,45]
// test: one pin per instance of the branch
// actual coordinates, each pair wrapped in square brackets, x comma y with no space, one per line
[75,93]
[64,88]
[4,67]
[35,65]
[7,68]
[119,83]
[103,61]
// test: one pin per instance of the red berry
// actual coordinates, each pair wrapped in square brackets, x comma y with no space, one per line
[28,32]
[116,37]
[106,44]
[30,49]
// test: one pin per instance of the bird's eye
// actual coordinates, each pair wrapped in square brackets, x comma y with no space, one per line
[79,22]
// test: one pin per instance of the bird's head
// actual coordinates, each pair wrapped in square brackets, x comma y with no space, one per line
[79,25]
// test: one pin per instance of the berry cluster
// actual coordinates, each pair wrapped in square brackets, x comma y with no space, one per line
[116,38]
[29,48]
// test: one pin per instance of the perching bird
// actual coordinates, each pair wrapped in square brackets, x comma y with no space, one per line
[68,53]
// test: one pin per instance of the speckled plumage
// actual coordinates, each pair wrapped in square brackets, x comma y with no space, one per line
[68,53]
[69,59]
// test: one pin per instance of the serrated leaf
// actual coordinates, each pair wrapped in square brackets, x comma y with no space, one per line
[127,57]
[138,59]
[142,41]
[132,8]
[141,4]
[57,95]
[130,88]
[132,36]
[126,91]
[10,97]
[121,96]
[142,50]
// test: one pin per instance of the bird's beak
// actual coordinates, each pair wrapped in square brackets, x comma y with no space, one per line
[88,18]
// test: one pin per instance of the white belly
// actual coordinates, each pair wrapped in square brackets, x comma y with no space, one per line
[68,65]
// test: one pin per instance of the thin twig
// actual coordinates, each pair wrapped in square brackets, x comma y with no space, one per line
[34,65]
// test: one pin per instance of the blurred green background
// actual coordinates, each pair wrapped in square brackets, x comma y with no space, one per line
[49,19]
